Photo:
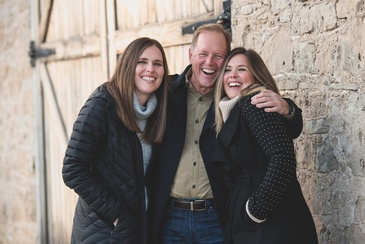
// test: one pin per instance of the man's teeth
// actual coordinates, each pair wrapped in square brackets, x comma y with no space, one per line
[208,71]
[234,84]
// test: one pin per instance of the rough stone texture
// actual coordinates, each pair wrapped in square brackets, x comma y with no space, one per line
[18,218]
[316,51]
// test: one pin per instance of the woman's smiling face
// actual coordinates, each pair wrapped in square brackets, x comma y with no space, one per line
[237,75]
[149,73]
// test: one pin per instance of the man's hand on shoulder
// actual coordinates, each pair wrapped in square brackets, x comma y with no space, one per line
[272,102]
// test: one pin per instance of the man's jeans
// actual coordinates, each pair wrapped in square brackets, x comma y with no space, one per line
[193,227]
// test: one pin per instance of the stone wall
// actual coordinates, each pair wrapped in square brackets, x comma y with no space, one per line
[18,218]
[316,50]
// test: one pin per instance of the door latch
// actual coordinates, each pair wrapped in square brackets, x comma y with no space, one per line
[35,53]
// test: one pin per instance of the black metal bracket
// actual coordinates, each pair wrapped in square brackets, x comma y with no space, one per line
[224,19]
[35,53]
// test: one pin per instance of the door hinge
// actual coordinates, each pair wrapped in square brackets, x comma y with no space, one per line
[224,19]
[35,53]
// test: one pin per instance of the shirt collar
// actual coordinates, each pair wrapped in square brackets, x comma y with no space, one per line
[191,89]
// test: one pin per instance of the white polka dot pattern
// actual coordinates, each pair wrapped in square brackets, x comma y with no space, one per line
[272,135]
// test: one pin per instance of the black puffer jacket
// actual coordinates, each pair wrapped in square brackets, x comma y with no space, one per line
[103,164]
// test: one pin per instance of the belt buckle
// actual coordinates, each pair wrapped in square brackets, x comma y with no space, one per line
[198,200]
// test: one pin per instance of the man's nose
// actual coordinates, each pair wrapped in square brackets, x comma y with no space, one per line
[209,59]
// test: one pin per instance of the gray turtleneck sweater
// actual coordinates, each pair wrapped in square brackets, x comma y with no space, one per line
[142,114]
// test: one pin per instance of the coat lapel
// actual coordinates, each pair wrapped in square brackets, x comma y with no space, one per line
[229,128]
[210,120]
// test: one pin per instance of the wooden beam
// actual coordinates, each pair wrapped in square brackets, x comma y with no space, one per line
[40,171]
[104,40]
[169,34]
[44,21]
[53,100]
[73,48]
[112,55]
[218,7]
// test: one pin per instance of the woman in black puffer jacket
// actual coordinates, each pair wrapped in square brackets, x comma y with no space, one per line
[111,144]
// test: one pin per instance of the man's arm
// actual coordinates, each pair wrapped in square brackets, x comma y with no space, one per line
[273,102]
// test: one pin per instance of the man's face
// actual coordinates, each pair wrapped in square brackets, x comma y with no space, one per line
[206,59]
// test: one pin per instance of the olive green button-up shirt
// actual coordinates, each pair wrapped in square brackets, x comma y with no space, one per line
[191,179]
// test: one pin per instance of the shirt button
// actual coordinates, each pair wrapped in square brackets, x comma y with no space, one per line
[196,142]
[196,121]
[193,187]
[194,164]
[200,99]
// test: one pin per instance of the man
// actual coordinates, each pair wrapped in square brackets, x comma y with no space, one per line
[186,191]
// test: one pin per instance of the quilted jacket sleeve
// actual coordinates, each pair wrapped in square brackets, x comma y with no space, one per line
[271,133]
[83,147]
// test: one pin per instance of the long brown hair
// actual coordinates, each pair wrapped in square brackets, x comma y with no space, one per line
[261,74]
[122,85]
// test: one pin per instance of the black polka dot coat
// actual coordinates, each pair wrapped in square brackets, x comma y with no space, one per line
[256,153]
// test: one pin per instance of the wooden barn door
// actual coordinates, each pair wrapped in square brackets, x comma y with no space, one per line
[76,44]
[75,32]
[163,20]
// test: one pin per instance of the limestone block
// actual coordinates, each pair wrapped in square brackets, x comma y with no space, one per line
[316,126]
[278,5]
[277,52]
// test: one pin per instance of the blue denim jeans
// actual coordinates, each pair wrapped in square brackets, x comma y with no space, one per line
[192,227]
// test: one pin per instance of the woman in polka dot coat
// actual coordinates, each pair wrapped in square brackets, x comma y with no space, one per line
[256,153]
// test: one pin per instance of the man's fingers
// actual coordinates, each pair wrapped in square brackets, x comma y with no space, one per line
[263,104]
[271,102]
[268,107]
[269,110]
[259,99]
[263,97]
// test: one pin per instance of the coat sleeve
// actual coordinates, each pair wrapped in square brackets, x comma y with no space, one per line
[83,147]
[272,134]
[295,124]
